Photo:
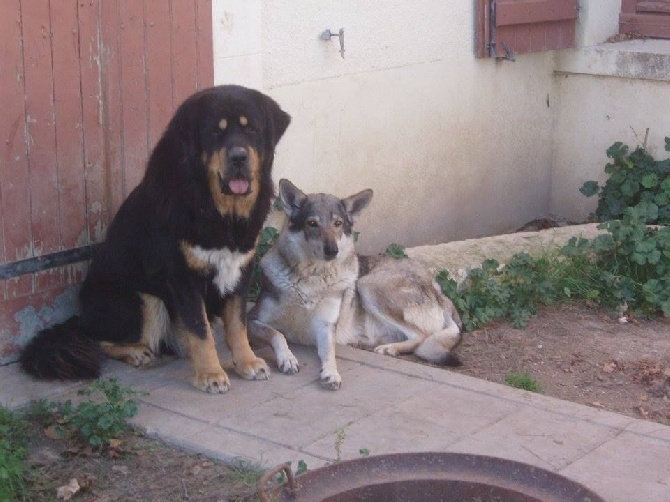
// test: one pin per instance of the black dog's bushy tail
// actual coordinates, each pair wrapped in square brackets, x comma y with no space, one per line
[62,352]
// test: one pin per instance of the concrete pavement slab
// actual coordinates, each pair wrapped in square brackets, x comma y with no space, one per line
[629,467]
[386,405]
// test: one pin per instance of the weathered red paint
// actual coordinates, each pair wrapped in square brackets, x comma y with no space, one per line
[643,17]
[159,69]
[524,26]
[87,89]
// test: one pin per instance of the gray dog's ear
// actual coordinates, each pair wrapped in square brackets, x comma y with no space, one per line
[291,197]
[356,203]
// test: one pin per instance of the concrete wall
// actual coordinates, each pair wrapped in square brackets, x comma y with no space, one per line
[453,147]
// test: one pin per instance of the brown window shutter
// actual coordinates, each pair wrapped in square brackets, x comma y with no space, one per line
[644,17]
[509,27]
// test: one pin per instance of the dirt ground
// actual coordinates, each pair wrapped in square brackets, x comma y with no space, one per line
[582,355]
[140,469]
[573,353]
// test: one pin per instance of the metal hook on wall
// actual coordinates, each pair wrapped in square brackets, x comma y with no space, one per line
[327,35]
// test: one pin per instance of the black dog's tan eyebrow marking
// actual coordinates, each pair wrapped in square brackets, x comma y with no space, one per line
[223,123]
[243,121]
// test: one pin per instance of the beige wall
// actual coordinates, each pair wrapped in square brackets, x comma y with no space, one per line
[454,147]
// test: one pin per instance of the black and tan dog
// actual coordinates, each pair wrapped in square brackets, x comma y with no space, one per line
[180,250]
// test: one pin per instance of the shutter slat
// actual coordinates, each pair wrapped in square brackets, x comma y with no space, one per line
[659,6]
[506,28]
[534,11]
[649,18]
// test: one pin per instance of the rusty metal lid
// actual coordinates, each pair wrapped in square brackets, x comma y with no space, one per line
[424,477]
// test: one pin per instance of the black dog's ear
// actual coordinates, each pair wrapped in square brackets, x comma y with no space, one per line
[291,197]
[355,204]
[183,131]
[278,120]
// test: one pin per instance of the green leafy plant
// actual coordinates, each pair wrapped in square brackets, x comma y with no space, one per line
[631,263]
[101,419]
[522,381]
[627,266]
[13,440]
[493,291]
[633,178]
[267,239]
[396,251]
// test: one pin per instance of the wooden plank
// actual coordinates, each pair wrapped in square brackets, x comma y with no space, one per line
[522,39]
[159,70]
[648,25]
[14,174]
[659,6]
[40,113]
[629,6]
[205,43]
[90,54]
[68,120]
[184,50]
[538,38]
[133,93]
[552,35]
[568,32]
[482,28]
[111,98]
[534,11]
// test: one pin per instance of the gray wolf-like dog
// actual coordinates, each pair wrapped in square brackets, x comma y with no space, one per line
[317,291]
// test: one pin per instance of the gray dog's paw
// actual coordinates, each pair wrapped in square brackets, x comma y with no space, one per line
[331,380]
[287,362]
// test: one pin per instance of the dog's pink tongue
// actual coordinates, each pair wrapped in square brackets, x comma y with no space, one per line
[238,186]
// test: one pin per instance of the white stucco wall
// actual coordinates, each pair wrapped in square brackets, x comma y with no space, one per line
[454,147]
[598,20]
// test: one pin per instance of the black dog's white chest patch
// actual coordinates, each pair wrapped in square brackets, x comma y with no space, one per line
[228,264]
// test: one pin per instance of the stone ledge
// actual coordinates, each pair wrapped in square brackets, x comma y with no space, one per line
[641,59]
[459,257]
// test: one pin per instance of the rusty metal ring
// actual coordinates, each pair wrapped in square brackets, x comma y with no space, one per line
[262,485]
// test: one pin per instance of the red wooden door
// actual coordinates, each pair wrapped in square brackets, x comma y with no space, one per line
[86,88]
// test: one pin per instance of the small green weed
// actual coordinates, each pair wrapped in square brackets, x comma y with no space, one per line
[241,472]
[522,381]
[40,411]
[396,251]
[99,420]
[340,434]
[302,469]
[13,440]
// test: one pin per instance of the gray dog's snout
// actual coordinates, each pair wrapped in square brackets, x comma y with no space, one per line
[330,251]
